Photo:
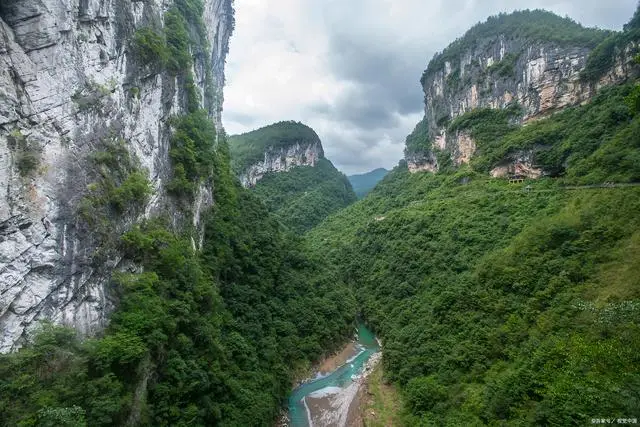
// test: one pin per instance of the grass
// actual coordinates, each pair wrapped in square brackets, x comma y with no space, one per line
[382,405]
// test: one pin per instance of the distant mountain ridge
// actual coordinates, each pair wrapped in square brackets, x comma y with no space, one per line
[363,183]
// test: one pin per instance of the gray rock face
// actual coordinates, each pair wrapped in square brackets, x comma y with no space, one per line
[68,80]
[541,77]
[282,160]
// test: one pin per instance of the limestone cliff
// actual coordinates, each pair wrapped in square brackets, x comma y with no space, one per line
[70,79]
[274,148]
[533,59]
[282,159]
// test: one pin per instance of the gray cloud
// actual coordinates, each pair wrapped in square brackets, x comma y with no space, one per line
[351,69]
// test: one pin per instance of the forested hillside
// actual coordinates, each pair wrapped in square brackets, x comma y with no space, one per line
[284,164]
[210,338]
[507,304]
[250,147]
[304,196]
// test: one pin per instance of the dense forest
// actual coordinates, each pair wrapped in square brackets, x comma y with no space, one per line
[304,196]
[507,304]
[210,338]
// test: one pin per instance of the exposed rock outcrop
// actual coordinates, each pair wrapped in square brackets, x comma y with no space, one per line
[282,159]
[499,70]
[519,164]
[423,162]
[69,79]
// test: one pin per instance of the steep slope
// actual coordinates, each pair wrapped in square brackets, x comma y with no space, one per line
[285,166]
[505,303]
[86,89]
[363,183]
[534,60]
[198,338]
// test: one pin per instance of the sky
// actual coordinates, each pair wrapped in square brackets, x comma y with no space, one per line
[350,69]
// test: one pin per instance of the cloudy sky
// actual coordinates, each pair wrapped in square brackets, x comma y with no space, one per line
[351,68]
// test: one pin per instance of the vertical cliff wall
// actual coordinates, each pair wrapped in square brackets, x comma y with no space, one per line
[532,58]
[70,82]
[282,159]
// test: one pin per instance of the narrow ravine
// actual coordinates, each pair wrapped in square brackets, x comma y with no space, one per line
[326,400]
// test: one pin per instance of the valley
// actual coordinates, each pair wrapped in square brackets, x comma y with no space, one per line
[158,271]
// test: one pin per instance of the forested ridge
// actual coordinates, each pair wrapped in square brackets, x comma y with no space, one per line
[250,147]
[499,303]
[532,25]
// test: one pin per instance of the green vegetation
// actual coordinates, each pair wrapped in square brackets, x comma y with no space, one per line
[192,144]
[119,186]
[249,148]
[91,98]
[150,46]
[118,189]
[304,196]
[418,141]
[27,153]
[506,67]
[173,47]
[383,405]
[363,183]
[496,306]
[178,42]
[584,144]
[210,338]
[453,80]
[633,100]
[499,306]
[538,25]
[193,140]
[192,152]
[604,55]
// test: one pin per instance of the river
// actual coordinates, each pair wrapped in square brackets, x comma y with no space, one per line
[325,400]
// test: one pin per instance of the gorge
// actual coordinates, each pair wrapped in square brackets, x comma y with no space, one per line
[156,271]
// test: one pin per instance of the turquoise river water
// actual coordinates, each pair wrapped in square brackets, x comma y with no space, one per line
[341,377]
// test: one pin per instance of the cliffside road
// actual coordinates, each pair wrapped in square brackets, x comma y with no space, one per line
[578,187]
[522,189]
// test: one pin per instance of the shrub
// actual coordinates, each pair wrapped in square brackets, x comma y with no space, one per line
[192,152]
[150,46]
[135,190]
[91,97]
[119,186]
[506,67]
[27,153]
[178,42]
